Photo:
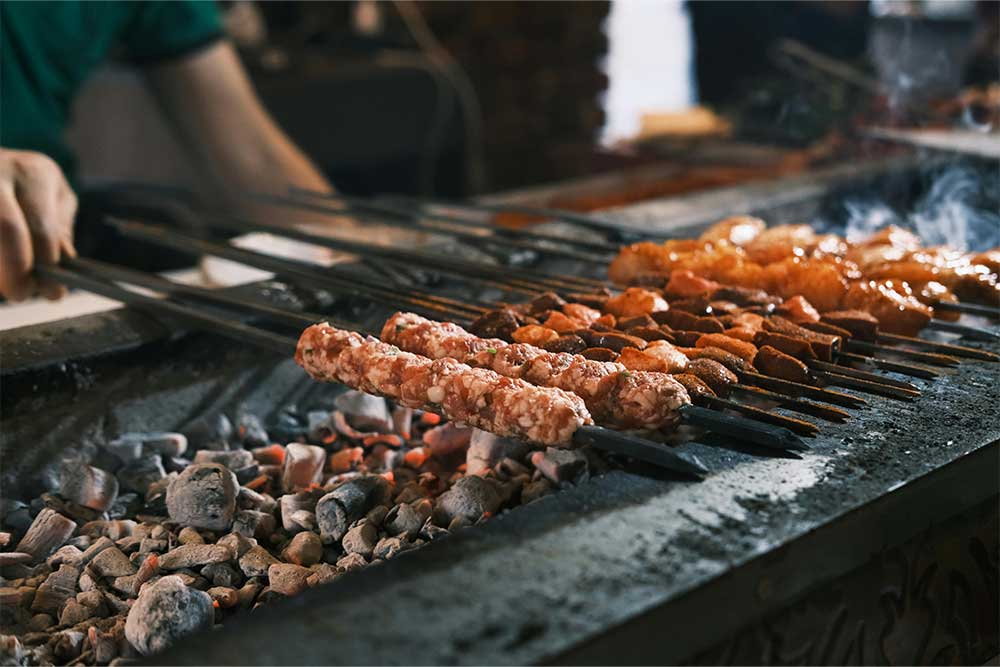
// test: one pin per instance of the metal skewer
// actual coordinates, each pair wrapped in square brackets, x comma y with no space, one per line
[950,348]
[794,425]
[992,312]
[964,330]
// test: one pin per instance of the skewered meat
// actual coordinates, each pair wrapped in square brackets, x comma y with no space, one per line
[743,350]
[694,386]
[714,374]
[616,396]
[475,396]
[738,230]
[635,301]
[861,324]
[798,310]
[533,334]
[728,359]
[776,363]
[895,312]
[795,347]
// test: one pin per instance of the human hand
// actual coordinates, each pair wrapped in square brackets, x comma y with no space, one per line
[37,210]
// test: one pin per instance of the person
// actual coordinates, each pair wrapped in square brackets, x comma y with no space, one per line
[47,50]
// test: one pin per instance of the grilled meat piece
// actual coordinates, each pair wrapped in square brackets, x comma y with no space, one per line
[499,323]
[714,374]
[861,324]
[599,354]
[695,386]
[774,362]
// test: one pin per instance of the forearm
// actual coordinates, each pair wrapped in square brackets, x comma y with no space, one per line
[211,102]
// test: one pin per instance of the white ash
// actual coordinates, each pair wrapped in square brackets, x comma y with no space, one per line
[303,466]
[365,412]
[487,450]
[560,465]
[203,496]
[232,459]
[166,612]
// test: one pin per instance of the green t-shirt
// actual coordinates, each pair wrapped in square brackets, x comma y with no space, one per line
[47,50]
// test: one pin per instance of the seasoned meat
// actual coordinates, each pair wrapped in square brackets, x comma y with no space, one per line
[694,386]
[740,348]
[610,339]
[562,323]
[496,324]
[566,343]
[635,301]
[543,302]
[798,348]
[643,320]
[776,363]
[714,374]
[683,321]
[728,359]
[482,398]
[649,333]
[582,313]
[595,300]
[798,310]
[825,346]
[534,334]
[861,324]
[599,354]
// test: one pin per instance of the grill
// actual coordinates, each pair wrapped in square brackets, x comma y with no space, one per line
[596,571]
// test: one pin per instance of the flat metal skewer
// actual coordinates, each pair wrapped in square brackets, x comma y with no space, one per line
[950,348]
[805,390]
[765,416]
[925,357]
[964,330]
[739,428]
[879,389]
[799,405]
[992,312]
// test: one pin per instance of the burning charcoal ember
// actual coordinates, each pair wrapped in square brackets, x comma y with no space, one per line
[237,544]
[402,421]
[227,598]
[403,520]
[256,561]
[416,457]
[344,427]
[88,486]
[469,498]
[252,523]
[352,561]
[287,578]
[457,523]
[112,563]
[140,474]
[203,496]
[210,432]
[322,573]
[535,490]
[130,585]
[364,411]
[48,532]
[304,549]
[194,555]
[166,612]
[162,443]
[303,466]
[189,535]
[486,450]
[447,439]
[346,459]
[250,431]
[389,547]
[58,587]
[292,503]
[560,465]
[270,455]
[337,510]
[361,539]
[232,459]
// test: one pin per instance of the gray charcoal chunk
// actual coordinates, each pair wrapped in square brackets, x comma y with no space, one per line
[364,411]
[203,496]
[164,613]
[234,460]
[139,475]
[350,501]
[361,539]
[486,450]
[194,555]
[468,499]
[112,563]
[256,561]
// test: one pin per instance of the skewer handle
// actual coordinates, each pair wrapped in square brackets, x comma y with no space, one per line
[622,443]
[741,428]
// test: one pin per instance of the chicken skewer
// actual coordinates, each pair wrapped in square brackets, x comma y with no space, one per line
[616,396]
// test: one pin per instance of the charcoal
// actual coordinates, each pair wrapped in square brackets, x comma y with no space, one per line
[431,531]
[131,446]
[138,475]
[389,547]
[486,450]
[194,555]
[250,431]
[364,411]
[210,432]
[292,503]
[560,465]
[247,474]
[248,499]
[288,426]
[535,490]
[223,574]
[361,539]
[111,563]
[237,544]
[88,486]
[40,622]
[320,429]
[304,549]
[376,515]
[47,532]
[64,554]
[303,466]
[115,530]
[303,520]
[256,561]
[287,578]
[252,523]
[126,504]
[11,651]
[226,597]
[56,589]
[402,421]
[232,459]
[352,561]
[203,496]
[322,573]
[469,498]
[175,464]
[403,520]
[337,510]
[15,558]
[152,545]
[166,612]
[447,439]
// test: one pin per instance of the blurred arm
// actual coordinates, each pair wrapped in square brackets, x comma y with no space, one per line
[211,102]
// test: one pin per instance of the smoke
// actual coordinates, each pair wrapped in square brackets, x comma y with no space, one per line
[960,208]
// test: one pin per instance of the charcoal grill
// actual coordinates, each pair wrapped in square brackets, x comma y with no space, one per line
[880,544]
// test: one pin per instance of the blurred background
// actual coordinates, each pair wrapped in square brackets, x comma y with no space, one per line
[464,98]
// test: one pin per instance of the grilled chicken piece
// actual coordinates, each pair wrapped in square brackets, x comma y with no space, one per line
[635,301]
[861,324]
[742,349]
[534,334]
[896,313]
[714,374]
[694,386]
[738,230]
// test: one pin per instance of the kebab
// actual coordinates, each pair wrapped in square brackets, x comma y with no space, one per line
[825,279]
[616,395]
